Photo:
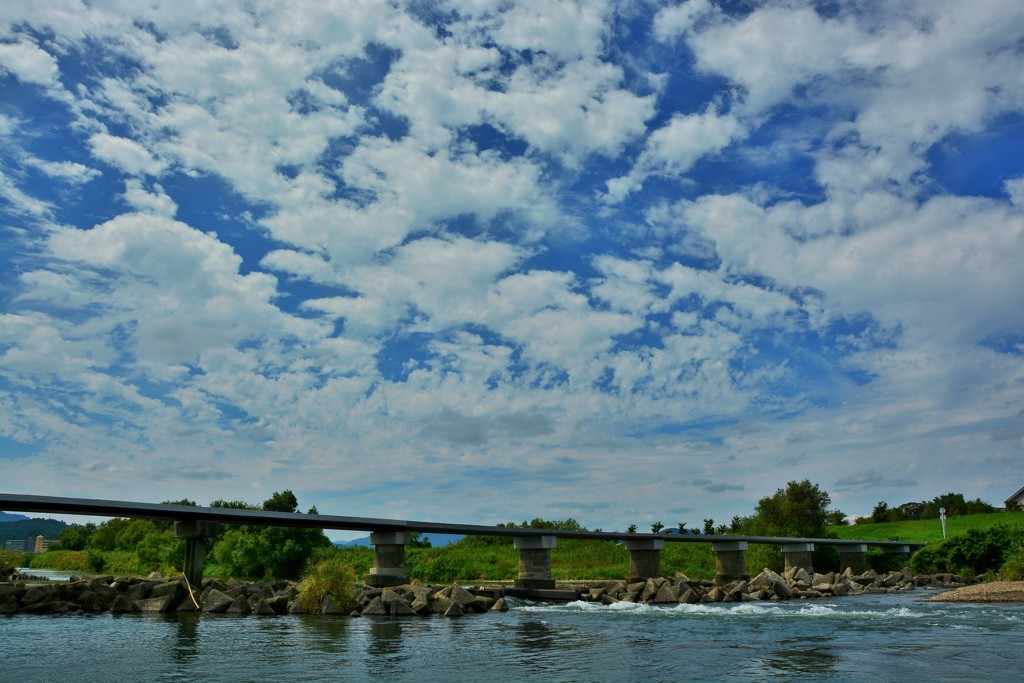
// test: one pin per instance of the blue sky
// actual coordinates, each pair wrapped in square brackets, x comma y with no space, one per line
[486,261]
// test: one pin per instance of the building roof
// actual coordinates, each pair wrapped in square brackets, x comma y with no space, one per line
[1017,497]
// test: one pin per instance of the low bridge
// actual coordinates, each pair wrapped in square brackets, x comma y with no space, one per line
[390,536]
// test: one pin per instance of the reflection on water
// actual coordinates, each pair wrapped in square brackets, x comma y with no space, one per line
[803,656]
[532,636]
[186,639]
[385,647]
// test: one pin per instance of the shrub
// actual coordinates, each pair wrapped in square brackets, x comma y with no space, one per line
[64,560]
[1013,568]
[333,577]
[9,561]
[979,550]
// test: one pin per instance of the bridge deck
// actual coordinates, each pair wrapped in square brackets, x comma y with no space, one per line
[187,513]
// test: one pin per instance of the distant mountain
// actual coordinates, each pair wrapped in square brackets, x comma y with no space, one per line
[436,540]
[10,517]
[23,528]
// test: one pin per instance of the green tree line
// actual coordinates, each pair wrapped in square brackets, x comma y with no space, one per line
[953,503]
[142,545]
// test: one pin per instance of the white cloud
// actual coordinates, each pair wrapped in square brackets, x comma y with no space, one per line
[565,29]
[127,155]
[149,202]
[675,147]
[29,63]
[69,171]
[571,111]
[178,288]
[1015,190]
[942,258]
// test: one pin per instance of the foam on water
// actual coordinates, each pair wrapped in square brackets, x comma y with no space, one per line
[802,610]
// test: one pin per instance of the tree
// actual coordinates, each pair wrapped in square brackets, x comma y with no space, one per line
[880,513]
[837,518]
[284,501]
[682,528]
[265,552]
[709,527]
[76,536]
[631,529]
[799,510]
[656,527]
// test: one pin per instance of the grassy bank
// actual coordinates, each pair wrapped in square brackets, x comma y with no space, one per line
[928,530]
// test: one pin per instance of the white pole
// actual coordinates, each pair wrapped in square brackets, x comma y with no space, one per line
[942,516]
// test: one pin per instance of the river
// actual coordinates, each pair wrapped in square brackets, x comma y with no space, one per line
[863,638]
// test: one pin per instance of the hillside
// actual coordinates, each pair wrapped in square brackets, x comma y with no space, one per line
[30,528]
[928,530]
[11,517]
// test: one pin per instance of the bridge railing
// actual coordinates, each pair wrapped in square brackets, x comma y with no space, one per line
[390,536]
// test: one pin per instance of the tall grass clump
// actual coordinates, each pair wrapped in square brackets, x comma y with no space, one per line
[332,577]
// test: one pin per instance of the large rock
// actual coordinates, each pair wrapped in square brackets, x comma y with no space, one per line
[162,604]
[263,608]
[239,605]
[279,603]
[9,604]
[765,580]
[782,590]
[461,595]
[122,605]
[103,589]
[216,601]
[37,594]
[421,605]
[651,588]
[400,609]
[375,608]
[666,594]
[716,594]
[91,602]
[174,589]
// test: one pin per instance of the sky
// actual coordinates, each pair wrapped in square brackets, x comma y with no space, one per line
[480,262]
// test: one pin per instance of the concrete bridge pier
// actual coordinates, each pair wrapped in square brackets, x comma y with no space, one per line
[195,533]
[535,561]
[799,555]
[388,559]
[730,560]
[644,558]
[853,556]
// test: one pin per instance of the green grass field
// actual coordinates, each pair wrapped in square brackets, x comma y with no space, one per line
[928,530]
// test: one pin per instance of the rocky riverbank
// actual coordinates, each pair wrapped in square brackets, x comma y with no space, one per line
[768,585]
[156,594]
[993,591]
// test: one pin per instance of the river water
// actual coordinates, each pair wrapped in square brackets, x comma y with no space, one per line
[862,638]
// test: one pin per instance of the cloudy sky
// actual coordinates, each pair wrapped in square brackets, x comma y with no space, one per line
[485,261]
